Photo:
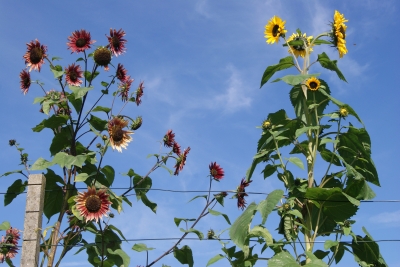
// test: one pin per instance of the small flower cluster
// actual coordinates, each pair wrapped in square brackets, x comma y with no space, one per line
[169,141]
[8,244]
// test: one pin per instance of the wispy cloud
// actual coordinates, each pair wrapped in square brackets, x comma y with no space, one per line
[235,96]
[387,217]
[201,7]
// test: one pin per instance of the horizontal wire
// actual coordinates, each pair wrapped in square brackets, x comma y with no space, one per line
[202,191]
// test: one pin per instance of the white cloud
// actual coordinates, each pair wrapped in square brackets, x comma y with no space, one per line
[201,7]
[386,217]
[235,96]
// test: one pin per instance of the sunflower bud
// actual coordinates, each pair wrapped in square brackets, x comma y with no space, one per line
[137,123]
[12,142]
[210,234]
[111,215]
[98,145]
[104,137]
[343,112]
[266,124]
[102,56]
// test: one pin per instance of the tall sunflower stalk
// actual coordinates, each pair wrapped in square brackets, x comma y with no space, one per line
[317,204]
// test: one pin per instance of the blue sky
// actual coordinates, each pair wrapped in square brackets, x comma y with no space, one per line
[202,63]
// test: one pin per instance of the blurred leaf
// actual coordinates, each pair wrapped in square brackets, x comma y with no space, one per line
[191,230]
[359,189]
[217,213]
[205,196]
[284,63]
[125,258]
[269,170]
[65,160]
[266,206]
[296,79]
[97,123]
[41,164]
[61,140]
[79,92]
[240,228]
[148,203]
[89,76]
[326,63]
[14,190]
[259,231]
[100,108]
[214,259]
[5,226]
[76,102]
[109,172]
[57,71]
[283,258]
[55,58]
[184,255]
[11,172]
[105,84]
[330,243]
[296,161]
[54,194]
[178,220]
[141,247]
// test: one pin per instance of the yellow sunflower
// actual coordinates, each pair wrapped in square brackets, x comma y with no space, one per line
[338,34]
[313,84]
[119,138]
[300,50]
[274,29]
[343,112]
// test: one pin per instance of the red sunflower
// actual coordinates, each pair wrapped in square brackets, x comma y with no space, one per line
[216,171]
[73,73]
[79,41]
[116,42]
[124,86]
[169,139]
[35,55]
[11,238]
[93,204]
[240,193]
[121,73]
[181,161]
[139,94]
[25,81]
[176,148]
[119,138]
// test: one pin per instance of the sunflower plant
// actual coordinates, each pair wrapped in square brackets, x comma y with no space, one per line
[85,124]
[316,204]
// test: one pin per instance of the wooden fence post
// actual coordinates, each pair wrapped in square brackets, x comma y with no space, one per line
[33,220]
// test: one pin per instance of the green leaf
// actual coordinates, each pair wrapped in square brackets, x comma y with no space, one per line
[100,108]
[296,79]
[55,58]
[259,231]
[109,172]
[57,71]
[326,63]
[54,196]
[184,255]
[315,262]
[119,252]
[76,102]
[65,160]
[266,206]
[295,213]
[240,228]
[105,84]
[269,170]
[214,259]
[217,213]
[80,92]
[11,172]
[178,220]
[97,123]
[5,226]
[330,243]
[61,140]
[143,187]
[359,189]
[191,230]
[282,259]
[41,164]
[284,63]
[296,161]
[305,129]
[82,177]
[365,249]
[205,196]
[141,247]
[148,203]
[14,190]
[89,77]
[321,254]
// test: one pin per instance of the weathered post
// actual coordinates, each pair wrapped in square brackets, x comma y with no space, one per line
[33,220]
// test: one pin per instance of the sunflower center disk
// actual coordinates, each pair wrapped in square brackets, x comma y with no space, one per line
[93,203]
[36,55]
[313,85]
[275,30]
[118,135]
[213,172]
[102,56]
[115,42]
[81,42]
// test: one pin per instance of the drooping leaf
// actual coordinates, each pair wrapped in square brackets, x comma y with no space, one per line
[191,230]
[296,161]
[283,258]
[97,123]
[100,108]
[41,164]
[11,172]
[109,172]
[179,220]
[122,254]
[184,255]
[284,63]
[57,71]
[89,76]
[54,194]
[214,259]
[148,203]
[326,63]
[61,140]
[200,196]
[5,226]
[14,190]
[217,213]
[80,92]
[259,231]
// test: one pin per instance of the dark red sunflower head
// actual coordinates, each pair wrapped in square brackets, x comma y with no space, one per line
[176,148]
[181,161]
[240,193]
[72,74]
[116,43]
[35,55]
[124,88]
[25,81]
[79,41]
[139,94]
[216,171]
[169,139]
[121,73]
